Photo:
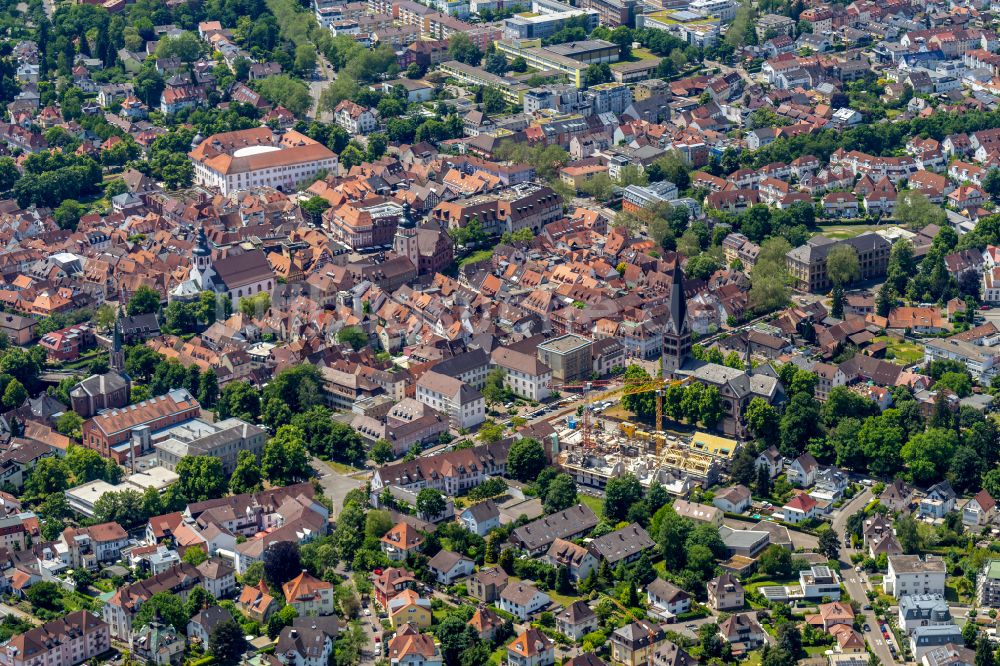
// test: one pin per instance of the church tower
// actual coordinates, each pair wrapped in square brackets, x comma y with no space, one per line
[117,360]
[405,241]
[677,332]
[202,256]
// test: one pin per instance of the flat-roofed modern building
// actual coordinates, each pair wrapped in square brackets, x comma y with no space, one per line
[569,356]
[535,25]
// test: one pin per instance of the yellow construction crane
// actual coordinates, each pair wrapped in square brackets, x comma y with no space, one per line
[656,385]
[631,387]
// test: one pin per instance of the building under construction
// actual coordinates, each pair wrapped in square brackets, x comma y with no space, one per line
[677,463]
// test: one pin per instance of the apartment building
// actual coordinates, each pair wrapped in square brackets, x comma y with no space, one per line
[463,404]
[534,25]
[522,206]
[90,547]
[613,13]
[807,263]
[70,640]
[988,585]
[524,374]
[363,225]
[451,472]
[910,574]
[120,610]
[982,362]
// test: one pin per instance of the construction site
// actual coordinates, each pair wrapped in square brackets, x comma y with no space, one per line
[594,448]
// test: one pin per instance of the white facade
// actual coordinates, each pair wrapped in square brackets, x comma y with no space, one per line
[284,177]
[461,414]
[908,574]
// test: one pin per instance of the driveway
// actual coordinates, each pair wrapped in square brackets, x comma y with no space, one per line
[854,582]
[800,540]
[336,485]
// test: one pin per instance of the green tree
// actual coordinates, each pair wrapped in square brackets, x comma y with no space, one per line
[431,503]
[166,607]
[525,459]
[201,478]
[285,459]
[353,336]
[50,475]
[67,215]
[776,561]
[226,642]
[246,476]
[494,392]
[842,265]
[382,452]
[561,494]
[241,400]
[620,494]
[44,595]
[70,424]
[144,301]
[762,419]
[829,543]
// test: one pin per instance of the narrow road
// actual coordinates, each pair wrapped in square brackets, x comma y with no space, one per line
[853,582]
[317,86]
[20,614]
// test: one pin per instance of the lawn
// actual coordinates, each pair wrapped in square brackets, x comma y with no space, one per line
[642,54]
[479,255]
[903,352]
[596,504]
[844,231]
[341,468]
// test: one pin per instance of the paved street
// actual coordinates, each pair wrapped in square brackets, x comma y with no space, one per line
[317,86]
[336,485]
[853,580]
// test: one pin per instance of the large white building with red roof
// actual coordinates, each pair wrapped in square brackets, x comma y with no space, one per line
[259,157]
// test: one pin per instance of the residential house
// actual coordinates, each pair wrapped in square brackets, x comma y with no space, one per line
[980,510]
[410,647]
[309,595]
[802,471]
[576,620]
[204,622]
[401,541]
[487,584]
[408,607]
[734,499]
[303,646]
[634,644]
[799,509]
[742,632]
[666,600]
[536,537]
[923,610]
[938,502]
[481,517]
[725,593]
[522,600]
[531,648]
[623,546]
[448,566]
[578,560]
[701,513]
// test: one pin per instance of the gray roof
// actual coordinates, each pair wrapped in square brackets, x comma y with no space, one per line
[542,532]
[622,544]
